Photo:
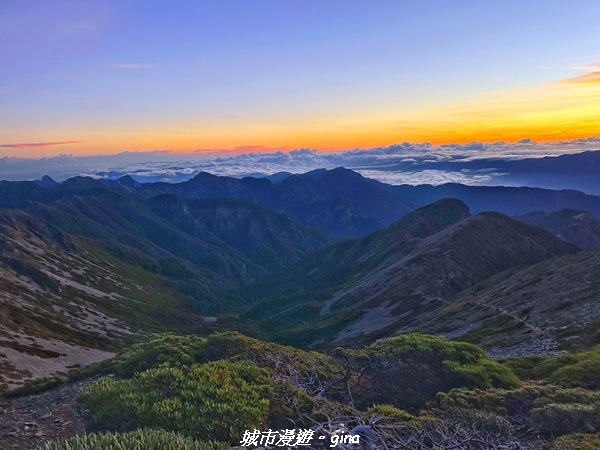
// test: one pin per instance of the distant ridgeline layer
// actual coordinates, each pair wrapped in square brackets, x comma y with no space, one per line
[339,202]
[314,259]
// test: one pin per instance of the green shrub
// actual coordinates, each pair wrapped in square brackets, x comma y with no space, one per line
[388,415]
[280,358]
[390,412]
[568,371]
[553,363]
[515,404]
[177,350]
[218,400]
[584,373]
[287,403]
[169,349]
[409,370]
[549,410]
[135,440]
[525,367]
[553,394]
[577,442]
[556,419]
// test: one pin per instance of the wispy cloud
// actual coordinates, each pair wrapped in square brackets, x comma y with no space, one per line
[134,66]
[592,77]
[588,67]
[38,144]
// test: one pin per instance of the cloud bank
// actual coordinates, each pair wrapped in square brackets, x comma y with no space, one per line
[405,163]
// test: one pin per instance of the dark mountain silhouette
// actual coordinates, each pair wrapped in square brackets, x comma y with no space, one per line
[279,176]
[339,202]
[47,182]
[16,194]
[346,205]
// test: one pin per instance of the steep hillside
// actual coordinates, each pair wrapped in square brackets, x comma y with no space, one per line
[224,238]
[577,227]
[65,303]
[128,227]
[322,273]
[84,271]
[273,241]
[398,279]
[557,299]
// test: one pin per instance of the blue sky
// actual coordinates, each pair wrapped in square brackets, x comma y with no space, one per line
[110,76]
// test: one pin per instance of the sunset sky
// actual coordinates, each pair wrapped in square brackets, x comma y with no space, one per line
[225,77]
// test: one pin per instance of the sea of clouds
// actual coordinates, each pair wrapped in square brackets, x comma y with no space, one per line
[397,164]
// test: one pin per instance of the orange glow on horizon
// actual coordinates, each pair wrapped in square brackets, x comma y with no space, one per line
[561,111]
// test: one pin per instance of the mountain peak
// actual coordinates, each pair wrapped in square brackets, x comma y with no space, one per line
[448,204]
[81,182]
[203,176]
[336,172]
[279,176]
[128,181]
[47,182]
[433,218]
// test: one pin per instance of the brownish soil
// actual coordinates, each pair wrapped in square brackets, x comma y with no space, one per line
[27,422]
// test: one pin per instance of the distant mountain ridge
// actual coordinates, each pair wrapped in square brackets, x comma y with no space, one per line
[338,202]
[360,206]
[569,171]
[578,227]
[511,201]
